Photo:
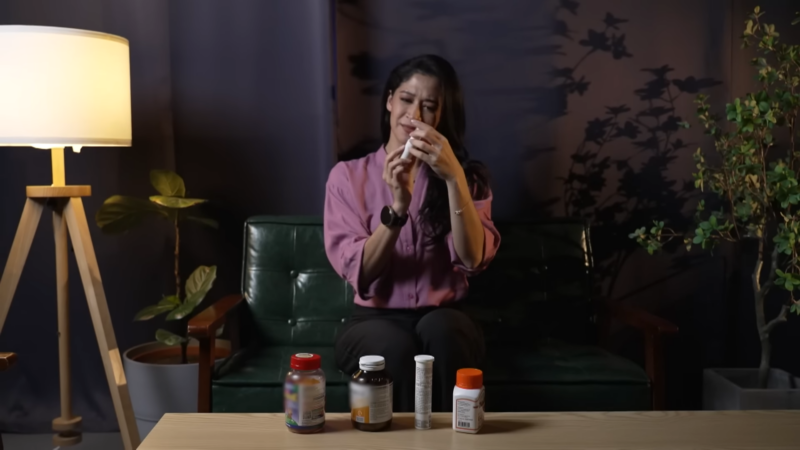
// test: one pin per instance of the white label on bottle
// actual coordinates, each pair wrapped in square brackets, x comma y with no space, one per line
[370,404]
[469,413]
[312,404]
[422,396]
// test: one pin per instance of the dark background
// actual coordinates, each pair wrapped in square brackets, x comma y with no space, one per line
[253,101]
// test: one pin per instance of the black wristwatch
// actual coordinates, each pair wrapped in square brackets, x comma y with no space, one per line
[390,218]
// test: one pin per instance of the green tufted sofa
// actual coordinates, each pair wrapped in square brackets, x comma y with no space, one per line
[534,303]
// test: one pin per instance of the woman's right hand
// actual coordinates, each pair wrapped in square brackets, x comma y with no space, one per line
[398,175]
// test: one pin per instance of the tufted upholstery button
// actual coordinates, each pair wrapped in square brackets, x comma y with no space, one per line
[293,274]
[292,322]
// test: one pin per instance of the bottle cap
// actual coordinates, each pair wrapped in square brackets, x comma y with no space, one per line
[371,363]
[469,378]
[424,359]
[305,361]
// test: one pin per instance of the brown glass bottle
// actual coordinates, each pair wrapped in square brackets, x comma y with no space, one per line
[371,395]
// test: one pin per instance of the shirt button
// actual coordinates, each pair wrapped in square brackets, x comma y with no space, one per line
[411,296]
[408,248]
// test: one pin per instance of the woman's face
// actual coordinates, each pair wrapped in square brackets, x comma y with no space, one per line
[417,98]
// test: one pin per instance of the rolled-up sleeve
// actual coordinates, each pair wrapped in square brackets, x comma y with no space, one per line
[345,232]
[491,239]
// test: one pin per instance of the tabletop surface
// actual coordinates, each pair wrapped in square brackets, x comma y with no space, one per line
[501,431]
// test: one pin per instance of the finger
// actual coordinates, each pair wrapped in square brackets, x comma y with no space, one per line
[425,147]
[424,157]
[398,162]
[429,135]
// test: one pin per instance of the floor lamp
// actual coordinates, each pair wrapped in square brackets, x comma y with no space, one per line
[62,87]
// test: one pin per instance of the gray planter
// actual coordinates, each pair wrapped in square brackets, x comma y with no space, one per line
[156,388]
[735,389]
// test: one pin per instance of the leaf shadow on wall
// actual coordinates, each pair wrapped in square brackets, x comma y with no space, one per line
[618,177]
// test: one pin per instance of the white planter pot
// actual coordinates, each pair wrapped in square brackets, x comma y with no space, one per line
[735,389]
[157,387]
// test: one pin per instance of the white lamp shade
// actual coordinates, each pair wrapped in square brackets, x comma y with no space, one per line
[63,87]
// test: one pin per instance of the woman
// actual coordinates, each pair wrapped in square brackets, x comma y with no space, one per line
[405,233]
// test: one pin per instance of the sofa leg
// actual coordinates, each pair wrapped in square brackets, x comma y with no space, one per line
[654,365]
[205,364]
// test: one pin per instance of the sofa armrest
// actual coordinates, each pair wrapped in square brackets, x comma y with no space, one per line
[206,323]
[203,327]
[641,320]
[7,360]
[654,330]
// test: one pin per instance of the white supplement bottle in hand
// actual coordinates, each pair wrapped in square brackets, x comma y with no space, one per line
[468,401]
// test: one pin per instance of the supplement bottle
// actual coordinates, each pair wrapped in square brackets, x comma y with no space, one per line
[304,394]
[371,395]
[468,401]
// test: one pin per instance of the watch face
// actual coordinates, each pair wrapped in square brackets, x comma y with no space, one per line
[386,215]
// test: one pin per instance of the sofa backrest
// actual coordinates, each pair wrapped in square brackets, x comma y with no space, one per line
[294,296]
[538,286]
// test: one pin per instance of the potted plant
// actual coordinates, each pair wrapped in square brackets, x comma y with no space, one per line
[756,182]
[162,375]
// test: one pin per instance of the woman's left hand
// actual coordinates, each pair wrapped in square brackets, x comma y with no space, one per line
[429,146]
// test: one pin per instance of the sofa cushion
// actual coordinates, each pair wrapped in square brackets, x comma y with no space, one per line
[556,362]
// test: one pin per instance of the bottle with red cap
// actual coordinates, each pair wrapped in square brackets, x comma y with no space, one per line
[468,401]
[304,394]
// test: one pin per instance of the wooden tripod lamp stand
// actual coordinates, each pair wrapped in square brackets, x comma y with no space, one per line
[62,87]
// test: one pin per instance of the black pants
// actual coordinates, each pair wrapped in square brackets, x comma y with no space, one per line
[445,333]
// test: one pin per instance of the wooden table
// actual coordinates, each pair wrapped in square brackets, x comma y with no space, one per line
[501,431]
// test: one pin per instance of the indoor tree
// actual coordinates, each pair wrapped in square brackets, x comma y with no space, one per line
[119,214]
[754,177]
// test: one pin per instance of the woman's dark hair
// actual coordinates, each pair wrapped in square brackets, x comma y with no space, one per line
[435,210]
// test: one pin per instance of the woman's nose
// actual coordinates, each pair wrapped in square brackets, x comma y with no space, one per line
[414,112]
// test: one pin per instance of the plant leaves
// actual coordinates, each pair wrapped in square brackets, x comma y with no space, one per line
[180,312]
[119,213]
[207,222]
[168,338]
[170,300]
[199,283]
[176,202]
[168,183]
[152,311]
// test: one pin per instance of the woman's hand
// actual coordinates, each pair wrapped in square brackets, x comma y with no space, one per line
[397,174]
[432,148]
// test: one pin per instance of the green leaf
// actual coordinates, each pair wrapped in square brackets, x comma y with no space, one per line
[697,239]
[168,338]
[168,183]
[180,312]
[199,283]
[794,308]
[207,222]
[170,300]
[152,311]
[119,213]
[176,202]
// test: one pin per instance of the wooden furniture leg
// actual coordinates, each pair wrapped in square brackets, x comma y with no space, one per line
[67,425]
[19,253]
[6,360]
[101,319]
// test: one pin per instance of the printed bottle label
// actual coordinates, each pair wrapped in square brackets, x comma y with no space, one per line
[469,413]
[304,404]
[370,404]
